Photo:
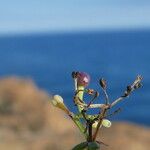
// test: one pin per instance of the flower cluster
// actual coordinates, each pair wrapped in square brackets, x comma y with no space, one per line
[88,124]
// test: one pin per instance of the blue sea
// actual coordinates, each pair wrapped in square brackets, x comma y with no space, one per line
[49,59]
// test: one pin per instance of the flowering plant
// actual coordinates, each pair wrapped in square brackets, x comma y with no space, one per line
[89,125]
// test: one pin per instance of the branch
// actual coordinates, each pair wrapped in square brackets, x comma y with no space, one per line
[92,92]
[135,85]
[101,116]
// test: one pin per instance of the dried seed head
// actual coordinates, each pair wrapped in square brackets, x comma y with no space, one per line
[103,83]
[137,86]
[126,94]
[139,77]
[129,88]
[74,74]
[97,94]
[90,91]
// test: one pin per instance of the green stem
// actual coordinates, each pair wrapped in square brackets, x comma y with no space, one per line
[80,126]
[80,96]
[76,119]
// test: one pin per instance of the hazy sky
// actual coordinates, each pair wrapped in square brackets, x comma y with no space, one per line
[60,15]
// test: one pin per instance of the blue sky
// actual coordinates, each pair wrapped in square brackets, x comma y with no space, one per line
[17,16]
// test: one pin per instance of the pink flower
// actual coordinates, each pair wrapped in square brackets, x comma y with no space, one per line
[83,79]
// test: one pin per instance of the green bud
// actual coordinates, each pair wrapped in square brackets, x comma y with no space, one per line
[106,123]
[94,125]
[57,101]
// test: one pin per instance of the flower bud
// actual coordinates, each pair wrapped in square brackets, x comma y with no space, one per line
[57,101]
[106,123]
[94,125]
[83,79]
[58,98]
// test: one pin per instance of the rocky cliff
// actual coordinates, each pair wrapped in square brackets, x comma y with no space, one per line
[29,122]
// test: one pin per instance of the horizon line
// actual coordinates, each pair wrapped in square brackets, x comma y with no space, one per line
[74,31]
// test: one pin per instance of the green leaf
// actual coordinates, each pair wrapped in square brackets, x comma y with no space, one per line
[80,146]
[93,146]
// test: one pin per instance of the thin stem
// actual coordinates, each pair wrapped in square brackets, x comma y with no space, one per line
[95,96]
[117,101]
[115,112]
[78,102]
[96,105]
[79,96]
[106,96]
[101,116]
[90,131]
[103,85]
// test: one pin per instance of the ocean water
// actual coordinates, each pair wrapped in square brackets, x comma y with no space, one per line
[49,59]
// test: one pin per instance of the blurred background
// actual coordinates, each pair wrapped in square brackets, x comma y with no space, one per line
[42,42]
